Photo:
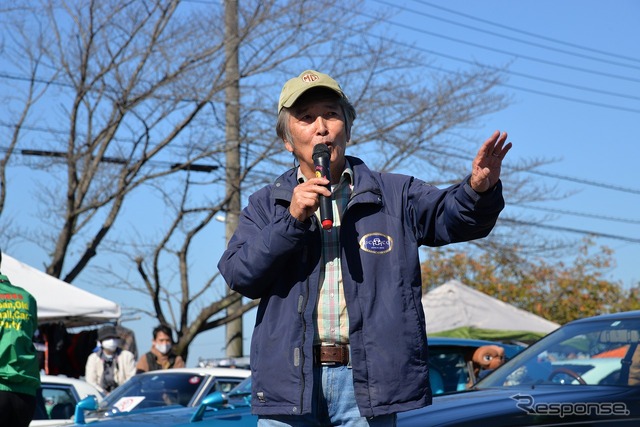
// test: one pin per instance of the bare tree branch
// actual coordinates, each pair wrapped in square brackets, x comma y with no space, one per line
[133,96]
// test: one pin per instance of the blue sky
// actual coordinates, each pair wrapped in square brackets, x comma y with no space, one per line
[573,77]
[553,49]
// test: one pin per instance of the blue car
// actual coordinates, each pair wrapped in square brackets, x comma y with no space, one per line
[164,389]
[214,410]
[585,373]
[449,358]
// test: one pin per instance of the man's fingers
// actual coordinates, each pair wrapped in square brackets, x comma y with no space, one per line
[495,145]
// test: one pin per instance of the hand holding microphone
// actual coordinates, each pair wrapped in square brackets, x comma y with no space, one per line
[321,162]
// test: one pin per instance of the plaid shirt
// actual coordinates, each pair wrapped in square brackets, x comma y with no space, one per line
[332,321]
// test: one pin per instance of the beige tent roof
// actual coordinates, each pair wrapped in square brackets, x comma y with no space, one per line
[455,306]
[58,300]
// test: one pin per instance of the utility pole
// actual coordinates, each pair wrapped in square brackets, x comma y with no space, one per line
[232,157]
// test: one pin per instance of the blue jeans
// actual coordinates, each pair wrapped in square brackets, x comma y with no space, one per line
[334,404]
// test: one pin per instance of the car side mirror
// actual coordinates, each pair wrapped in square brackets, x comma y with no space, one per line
[89,403]
[213,400]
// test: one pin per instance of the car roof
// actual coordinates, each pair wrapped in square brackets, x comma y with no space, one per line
[510,349]
[216,372]
[60,379]
[472,342]
[609,317]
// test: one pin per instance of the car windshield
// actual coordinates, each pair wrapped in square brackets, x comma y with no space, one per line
[242,389]
[151,390]
[600,352]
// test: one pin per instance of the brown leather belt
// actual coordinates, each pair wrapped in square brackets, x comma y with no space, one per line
[332,354]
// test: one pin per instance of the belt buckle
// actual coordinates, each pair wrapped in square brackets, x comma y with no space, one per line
[327,344]
[342,348]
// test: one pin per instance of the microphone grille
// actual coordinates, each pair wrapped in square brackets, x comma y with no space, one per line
[320,150]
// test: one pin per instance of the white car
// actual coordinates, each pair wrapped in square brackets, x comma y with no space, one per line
[59,397]
[585,371]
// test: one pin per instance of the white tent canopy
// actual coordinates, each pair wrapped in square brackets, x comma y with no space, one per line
[57,300]
[454,309]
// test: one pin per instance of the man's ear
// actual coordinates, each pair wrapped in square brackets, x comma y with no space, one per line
[288,145]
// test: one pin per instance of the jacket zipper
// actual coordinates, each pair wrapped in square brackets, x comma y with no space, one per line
[304,299]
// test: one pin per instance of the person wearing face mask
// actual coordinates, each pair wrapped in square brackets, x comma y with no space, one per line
[109,366]
[160,356]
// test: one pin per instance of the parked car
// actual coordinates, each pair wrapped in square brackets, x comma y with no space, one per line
[449,355]
[214,410]
[450,359]
[225,362]
[587,372]
[60,394]
[155,390]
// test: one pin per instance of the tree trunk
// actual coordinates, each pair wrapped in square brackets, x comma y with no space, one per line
[232,119]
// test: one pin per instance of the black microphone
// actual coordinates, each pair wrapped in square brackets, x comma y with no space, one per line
[321,157]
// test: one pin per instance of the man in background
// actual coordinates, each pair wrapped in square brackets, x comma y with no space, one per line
[19,371]
[161,355]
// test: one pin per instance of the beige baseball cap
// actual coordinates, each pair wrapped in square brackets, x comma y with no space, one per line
[308,79]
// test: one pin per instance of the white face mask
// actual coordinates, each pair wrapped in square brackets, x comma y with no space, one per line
[111,344]
[163,348]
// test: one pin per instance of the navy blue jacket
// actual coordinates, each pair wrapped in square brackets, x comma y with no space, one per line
[275,257]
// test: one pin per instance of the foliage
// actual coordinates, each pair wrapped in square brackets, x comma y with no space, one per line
[560,291]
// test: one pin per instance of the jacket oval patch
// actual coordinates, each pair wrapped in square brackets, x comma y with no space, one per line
[376,243]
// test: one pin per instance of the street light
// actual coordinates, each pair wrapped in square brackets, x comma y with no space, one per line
[175,166]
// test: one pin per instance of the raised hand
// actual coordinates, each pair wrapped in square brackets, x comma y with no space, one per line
[486,166]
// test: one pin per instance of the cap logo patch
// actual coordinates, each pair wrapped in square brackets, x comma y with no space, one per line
[310,78]
[376,243]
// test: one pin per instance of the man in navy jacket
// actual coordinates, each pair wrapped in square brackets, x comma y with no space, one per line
[340,333]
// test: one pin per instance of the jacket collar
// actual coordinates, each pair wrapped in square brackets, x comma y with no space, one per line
[347,174]
[366,188]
